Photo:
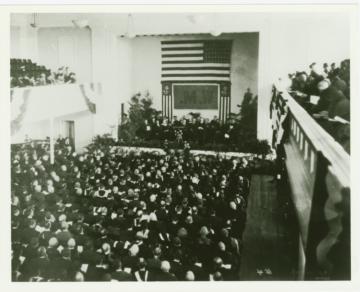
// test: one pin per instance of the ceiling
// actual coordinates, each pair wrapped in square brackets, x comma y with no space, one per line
[147,23]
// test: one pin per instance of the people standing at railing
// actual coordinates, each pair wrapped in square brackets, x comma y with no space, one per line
[307,83]
[332,87]
[332,102]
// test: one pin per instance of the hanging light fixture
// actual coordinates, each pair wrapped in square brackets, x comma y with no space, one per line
[33,24]
[80,23]
[215,31]
[130,32]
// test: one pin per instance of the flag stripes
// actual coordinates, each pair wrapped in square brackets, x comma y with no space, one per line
[179,68]
[198,60]
[198,79]
[194,65]
[179,74]
[186,42]
[178,53]
[225,102]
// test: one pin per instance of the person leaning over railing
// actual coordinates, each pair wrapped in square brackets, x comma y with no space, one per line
[333,113]
[326,96]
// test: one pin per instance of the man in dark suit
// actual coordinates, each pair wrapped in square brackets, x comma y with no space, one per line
[142,274]
[120,275]
[247,97]
[164,274]
[332,102]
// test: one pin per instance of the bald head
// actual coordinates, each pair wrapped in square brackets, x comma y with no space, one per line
[190,276]
[322,85]
[165,266]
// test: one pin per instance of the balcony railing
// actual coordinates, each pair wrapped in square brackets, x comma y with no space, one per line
[319,174]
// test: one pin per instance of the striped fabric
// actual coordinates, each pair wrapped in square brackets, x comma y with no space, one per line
[195,60]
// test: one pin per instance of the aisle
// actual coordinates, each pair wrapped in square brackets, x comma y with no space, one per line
[264,243]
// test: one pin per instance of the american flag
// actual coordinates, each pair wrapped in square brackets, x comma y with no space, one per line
[195,60]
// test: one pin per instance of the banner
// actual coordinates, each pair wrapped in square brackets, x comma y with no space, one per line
[88,93]
[19,109]
[196,96]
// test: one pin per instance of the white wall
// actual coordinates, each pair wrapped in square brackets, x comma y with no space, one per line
[14,42]
[125,75]
[54,47]
[37,130]
[84,128]
[23,43]
[66,46]
[290,42]
[297,40]
[58,102]
[105,70]
[244,67]
[146,67]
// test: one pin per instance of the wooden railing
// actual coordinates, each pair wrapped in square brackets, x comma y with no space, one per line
[319,174]
[311,137]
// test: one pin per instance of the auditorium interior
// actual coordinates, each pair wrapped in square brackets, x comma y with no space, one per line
[180,146]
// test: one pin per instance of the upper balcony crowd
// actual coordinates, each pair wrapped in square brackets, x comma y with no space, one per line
[24,72]
[325,94]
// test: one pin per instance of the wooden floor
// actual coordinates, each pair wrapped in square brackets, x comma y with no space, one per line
[265,239]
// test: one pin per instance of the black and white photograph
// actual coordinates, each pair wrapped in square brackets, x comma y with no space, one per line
[158,144]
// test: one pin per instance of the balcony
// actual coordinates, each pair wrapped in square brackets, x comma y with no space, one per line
[47,111]
[318,169]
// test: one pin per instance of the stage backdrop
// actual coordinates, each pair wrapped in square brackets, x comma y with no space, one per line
[146,67]
[203,63]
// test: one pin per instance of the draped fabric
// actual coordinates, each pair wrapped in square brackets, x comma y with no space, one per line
[225,102]
[278,114]
[167,100]
[319,173]
[20,112]
[328,246]
[36,104]
[88,95]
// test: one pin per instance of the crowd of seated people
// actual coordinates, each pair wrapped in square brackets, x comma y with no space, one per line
[24,72]
[110,215]
[325,94]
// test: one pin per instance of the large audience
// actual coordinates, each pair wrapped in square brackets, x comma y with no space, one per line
[325,94]
[110,215]
[24,72]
